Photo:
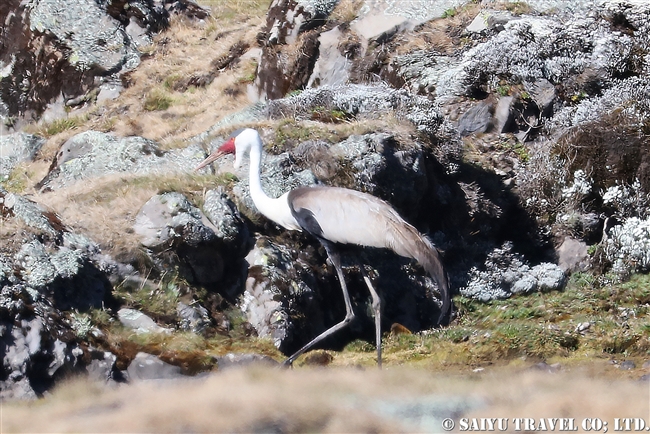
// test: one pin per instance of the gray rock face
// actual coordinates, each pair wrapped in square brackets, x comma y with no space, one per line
[149,367]
[489,20]
[227,223]
[102,368]
[272,287]
[95,39]
[16,148]
[331,67]
[177,234]
[193,318]
[139,322]
[174,229]
[573,255]
[380,19]
[92,154]
[477,119]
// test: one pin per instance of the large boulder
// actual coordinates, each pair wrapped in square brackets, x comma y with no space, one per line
[92,154]
[17,148]
[48,275]
[179,237]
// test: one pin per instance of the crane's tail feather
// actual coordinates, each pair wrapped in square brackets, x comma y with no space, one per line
[407,241]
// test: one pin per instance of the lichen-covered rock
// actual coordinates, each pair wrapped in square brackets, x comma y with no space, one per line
[179,236]
[92,154]
[584,54]
[420,70]
[54,50]
[46,271]
[139,322]
[16,148]
[375,102]
[506,273]
[631,94]
[95,40]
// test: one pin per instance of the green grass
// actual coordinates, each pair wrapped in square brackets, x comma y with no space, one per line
[49,129]
[157,100]
[538,326]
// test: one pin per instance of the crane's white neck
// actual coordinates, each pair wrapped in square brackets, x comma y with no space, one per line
[278,209]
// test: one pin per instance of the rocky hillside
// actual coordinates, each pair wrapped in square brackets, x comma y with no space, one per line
[514,134]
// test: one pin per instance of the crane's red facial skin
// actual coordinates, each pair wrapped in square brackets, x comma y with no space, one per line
[226,148]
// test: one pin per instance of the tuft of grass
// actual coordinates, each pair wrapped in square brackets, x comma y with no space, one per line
[159,300]
[518,8]
[157,100]
[57,126]
[449,13]
[329,116]
[18,179]
[170,82]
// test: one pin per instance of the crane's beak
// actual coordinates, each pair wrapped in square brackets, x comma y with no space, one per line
[226,148]
[212,157]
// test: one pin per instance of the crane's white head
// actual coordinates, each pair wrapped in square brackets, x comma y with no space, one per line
[240,143]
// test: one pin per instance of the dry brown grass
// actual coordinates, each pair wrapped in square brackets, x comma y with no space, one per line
[105,208]
[443,35]
[346,10]
[181,52]
[325,400]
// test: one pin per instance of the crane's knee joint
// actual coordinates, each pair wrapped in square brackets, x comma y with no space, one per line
[348,318]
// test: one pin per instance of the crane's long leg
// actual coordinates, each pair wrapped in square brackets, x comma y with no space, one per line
[376,307]
[335,257]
